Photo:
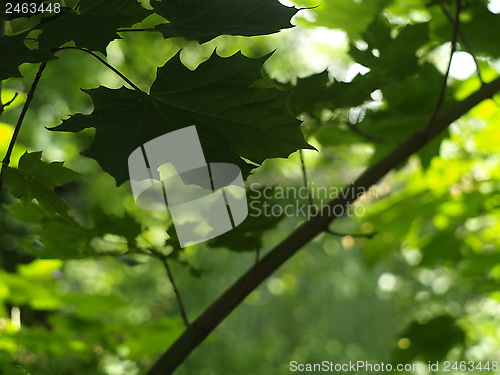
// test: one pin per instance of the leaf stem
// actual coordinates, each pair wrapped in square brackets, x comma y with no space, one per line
[444,85]
[465,41]
[104,62]
[29,98]
[163,259]
[170,275]
[305,178]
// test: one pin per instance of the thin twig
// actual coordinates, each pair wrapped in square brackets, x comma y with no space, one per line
[163,259]
[305,179]
[2,33]
[4,105]
[29,98]
[354,235]
[170,275]
[465,41]
[108,65]
[444,84]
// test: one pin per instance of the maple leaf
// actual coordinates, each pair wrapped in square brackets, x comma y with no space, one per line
[36,179]
[13,52]
[233,119]
[203,20]
[93,25]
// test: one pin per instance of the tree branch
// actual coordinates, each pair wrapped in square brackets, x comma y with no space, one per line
[29,98]
[2,33]
[234,295]
[163,259]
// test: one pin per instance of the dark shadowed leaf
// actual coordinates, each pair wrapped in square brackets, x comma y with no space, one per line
[248,235]
[93,25]
[36,179]
[391,57]
[232,119]
[430,341]
[13,52]
[202,20]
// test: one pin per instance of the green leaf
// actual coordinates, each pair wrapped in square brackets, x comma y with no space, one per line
[430,341]
[232,119]
[408,105]
[248,235]
[13,52]
[317,92]
[7,366]
[477,24]
[432,149]
[93,25]
[64,238]
[396,56]
[443,248]
[203,20]
[126,226]
[36,179]
[61,239]
[397,59]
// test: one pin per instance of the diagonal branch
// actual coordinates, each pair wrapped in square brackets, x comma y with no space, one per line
[222,307]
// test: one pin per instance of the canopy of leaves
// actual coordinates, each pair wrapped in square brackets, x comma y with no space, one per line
[86,283]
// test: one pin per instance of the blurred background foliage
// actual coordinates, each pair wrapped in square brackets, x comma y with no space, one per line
[425,288]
